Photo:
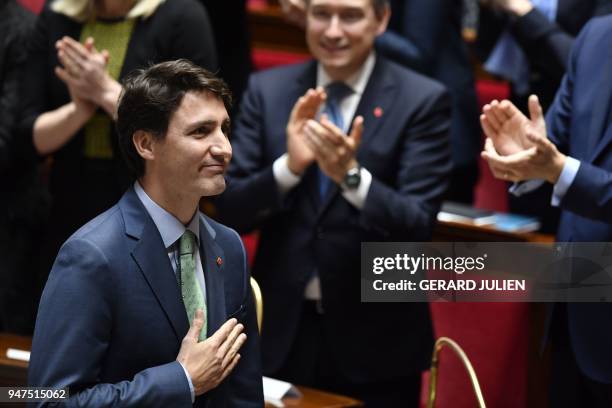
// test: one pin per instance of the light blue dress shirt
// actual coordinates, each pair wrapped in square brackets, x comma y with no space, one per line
[171,230]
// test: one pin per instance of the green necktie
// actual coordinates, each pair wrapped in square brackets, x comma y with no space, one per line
[193,299]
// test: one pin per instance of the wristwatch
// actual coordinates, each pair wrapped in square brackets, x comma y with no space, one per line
[353,178]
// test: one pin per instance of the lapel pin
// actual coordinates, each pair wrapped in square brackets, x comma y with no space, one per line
[219,261]
[378,112]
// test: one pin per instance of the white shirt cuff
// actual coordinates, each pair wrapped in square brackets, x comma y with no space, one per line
[285,179]
[524,187]
[191,389]
[358,196]
[313,288]
[568,174]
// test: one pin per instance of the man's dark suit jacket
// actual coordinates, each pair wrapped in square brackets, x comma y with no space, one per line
[580,123]
[111,319]
[406,149]
[426,35]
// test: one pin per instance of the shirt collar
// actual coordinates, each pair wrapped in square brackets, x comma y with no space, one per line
[169,227]
[357,82]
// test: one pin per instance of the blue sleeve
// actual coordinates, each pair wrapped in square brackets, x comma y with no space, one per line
[559,115]
[590,193]
[191,388]
[568,174]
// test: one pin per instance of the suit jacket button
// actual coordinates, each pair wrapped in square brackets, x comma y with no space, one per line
[320,233]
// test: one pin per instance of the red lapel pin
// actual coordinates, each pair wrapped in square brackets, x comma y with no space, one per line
[378,112]
[219,261]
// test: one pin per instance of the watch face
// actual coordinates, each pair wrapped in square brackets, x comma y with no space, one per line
[353,178]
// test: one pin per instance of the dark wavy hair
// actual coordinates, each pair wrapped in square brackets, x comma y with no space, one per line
[151,96]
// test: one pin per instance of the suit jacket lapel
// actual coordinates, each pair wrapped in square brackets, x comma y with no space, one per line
[374,104]
[602,111]
[212,257]
[151,258]
[376,101]
[210,253]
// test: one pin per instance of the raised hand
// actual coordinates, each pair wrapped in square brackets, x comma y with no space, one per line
[84,71]
[83,106]
[508,128]
[518,148]
[300,156]
[295,11]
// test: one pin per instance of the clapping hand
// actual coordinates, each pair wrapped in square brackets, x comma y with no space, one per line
[508,128]
[295,11]
[68,73]
[299,153]
[333,150]
[516,7]
[84,70]
[517,148]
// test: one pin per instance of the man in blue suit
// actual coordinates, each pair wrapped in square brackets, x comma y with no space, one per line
[149,304]
[344,149]
[572,149]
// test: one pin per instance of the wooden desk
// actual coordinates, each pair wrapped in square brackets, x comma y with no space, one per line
[15,373]
[318,399]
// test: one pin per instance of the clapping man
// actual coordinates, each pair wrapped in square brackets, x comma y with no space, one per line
[570,148]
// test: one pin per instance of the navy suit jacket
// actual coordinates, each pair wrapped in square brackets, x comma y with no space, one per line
[580,123]
[426,35]
[111,319]
[406,149]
